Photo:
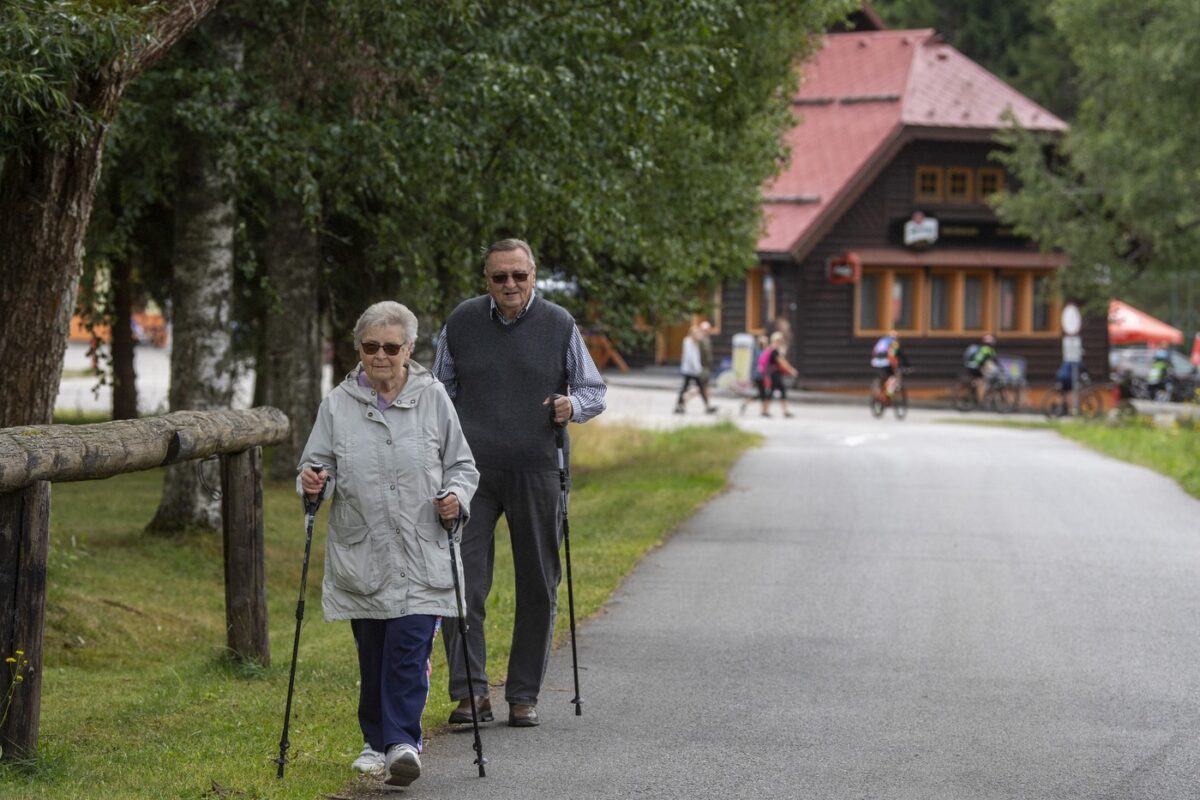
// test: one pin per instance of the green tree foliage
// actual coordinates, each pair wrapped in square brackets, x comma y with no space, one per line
[626,141]
[1121,192]
[1016,39]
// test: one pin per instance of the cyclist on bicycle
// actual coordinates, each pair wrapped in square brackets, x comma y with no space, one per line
[978,356]
[1161,373]
[887,357]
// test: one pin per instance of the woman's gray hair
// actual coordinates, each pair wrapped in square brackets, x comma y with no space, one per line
[507,245]
[387,312]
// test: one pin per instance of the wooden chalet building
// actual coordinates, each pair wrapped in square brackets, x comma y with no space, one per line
[889,124]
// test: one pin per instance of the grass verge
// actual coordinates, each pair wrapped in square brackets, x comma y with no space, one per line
[1173,450]
[139,698]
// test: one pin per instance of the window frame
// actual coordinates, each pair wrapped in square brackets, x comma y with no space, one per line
[968,195]
[883,301]
[997,173]
[1026,284]
[757,294]
[936,196]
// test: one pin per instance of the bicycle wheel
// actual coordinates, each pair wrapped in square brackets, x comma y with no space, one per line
[900,403]
[877,398]
[1090,406]
[1054,405]
[964,397]
[1003,398]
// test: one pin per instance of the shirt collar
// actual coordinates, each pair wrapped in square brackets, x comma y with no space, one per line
[495,312]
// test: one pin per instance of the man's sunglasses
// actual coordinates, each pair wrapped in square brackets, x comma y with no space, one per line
[501,278]
[391,348]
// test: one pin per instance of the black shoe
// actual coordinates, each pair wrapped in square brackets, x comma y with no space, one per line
[462,714]
[522,716]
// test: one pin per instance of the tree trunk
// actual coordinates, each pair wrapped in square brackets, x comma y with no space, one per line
[293,331]
[46,195]
[124,378]
[202,369]
[201,357]
[45,202]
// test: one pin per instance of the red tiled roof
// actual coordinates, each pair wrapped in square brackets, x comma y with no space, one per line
[859,94]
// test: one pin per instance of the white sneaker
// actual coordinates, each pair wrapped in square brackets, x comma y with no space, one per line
[403,765]
[369,762]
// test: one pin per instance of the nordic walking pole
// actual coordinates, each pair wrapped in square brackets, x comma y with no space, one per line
[452,526]
[310,517]
[566,527]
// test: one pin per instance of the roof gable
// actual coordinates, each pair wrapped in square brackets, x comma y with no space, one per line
[860,95]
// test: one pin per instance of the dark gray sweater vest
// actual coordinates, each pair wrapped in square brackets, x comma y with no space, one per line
[504,373]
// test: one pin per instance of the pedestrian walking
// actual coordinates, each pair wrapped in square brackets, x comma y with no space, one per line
[695,365]
[392,445]
[774,365]
[502,357]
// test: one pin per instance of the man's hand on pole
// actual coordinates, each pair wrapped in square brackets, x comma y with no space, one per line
[562,408]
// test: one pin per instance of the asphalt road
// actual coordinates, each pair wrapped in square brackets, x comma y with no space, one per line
[878,609]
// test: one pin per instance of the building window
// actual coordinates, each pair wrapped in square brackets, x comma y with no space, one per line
[974,292]
[868,301]
[941,301]
[889,298]
[929,185]
[959,185]
[991,180]
[904,289]
[1044,306]
[760,300]
[1008,299]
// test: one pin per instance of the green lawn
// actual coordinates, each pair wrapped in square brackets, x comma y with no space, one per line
[139,699]
[1173,450]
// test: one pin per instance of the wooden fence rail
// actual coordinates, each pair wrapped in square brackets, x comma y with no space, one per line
[34,456]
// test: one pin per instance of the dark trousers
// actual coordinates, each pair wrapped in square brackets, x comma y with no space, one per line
[393,659]
[529,502]
[701,384]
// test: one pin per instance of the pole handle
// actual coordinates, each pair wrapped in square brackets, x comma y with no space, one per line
[311,506]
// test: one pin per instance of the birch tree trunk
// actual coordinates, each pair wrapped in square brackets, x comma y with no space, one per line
[293,331]
[202,369]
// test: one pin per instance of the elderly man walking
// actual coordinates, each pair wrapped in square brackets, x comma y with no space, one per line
[504,357]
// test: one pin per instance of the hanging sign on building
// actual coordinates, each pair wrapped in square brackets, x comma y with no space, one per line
[920,231]
[844,269]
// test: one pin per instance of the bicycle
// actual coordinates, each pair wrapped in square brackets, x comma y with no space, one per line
[1057,402]
[892,393]
[998,394]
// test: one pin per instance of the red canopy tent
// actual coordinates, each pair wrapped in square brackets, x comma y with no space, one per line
[1128,325]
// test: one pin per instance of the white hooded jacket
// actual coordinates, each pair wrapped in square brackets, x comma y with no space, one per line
[386,553]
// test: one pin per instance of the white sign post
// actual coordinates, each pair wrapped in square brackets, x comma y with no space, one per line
[1072,322]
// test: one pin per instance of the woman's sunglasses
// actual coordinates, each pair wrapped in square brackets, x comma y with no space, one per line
[391,348]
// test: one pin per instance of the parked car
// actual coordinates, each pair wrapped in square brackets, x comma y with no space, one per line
[1134,363]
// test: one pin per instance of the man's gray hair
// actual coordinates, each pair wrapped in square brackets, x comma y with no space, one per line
[387,312]
[507,245]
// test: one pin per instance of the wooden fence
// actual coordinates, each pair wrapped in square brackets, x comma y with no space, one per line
[32,457]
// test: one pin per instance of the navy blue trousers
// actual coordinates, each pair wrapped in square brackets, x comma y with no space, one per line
[393,656]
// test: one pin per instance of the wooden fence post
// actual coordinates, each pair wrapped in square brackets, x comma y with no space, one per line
[245,578]
[24,544]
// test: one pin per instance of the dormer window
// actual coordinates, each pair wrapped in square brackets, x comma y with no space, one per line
[929,185]
[991,180]
[959,186]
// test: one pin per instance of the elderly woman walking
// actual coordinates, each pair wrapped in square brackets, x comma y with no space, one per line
[396,463]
